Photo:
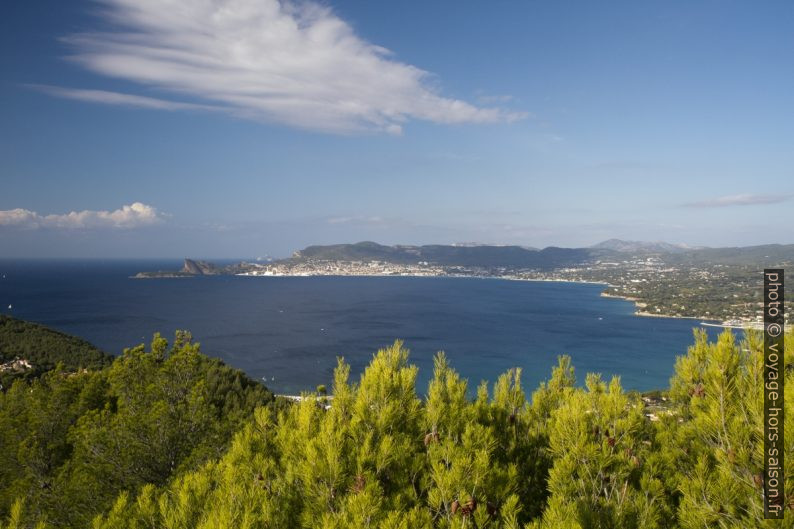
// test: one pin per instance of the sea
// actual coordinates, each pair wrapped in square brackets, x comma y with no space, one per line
[289,331]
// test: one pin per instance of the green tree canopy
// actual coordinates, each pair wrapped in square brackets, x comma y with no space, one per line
[167,438]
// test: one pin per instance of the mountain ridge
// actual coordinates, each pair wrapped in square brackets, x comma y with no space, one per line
[449,255]
[514,257]
[621,245]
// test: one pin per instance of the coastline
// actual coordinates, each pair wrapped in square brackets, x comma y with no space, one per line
[644,314]
[439,276]
[660,315]
[759,326]
[638,304]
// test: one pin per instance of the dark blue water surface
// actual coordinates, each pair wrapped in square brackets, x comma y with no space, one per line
[289,330]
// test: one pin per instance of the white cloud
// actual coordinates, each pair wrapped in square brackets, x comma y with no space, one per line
[130,216]
[738,200]
[115,98]
[292,63]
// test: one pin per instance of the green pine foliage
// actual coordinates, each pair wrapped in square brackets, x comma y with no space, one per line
[716,444]
[143,448]
[71,442]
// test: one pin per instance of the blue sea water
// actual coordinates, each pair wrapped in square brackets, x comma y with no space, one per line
[288,331]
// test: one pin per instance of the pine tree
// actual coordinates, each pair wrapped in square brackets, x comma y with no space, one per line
[379,457]
[716,435]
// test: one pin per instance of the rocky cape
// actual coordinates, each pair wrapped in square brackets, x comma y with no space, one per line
[192,268]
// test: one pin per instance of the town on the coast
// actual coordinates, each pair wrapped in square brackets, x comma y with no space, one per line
[719,286]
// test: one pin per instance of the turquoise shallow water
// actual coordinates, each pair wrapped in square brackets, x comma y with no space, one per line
[290,330]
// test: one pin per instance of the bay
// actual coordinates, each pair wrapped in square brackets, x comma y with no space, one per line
[288,331]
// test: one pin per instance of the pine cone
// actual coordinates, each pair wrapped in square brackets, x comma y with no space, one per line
[432,437]
[359,483]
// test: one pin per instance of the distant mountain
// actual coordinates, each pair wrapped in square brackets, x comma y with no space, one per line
[619,245]
[448,255]
[548,258]
[471,244]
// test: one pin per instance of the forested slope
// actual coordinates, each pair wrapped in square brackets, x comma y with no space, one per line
[43,349]
[70,442]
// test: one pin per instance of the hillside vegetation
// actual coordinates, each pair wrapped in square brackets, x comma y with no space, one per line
[474,255]
[43,349]
[171,439]
[72,441]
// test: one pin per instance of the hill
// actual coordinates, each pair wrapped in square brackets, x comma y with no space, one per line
[765,255]
[28,349]
[619,245]
[72,442]
[453,255]
[548,258]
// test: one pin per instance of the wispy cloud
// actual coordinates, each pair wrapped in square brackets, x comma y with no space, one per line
[738,200]
[116,98]
[295,63]
[129,216]
[357,220]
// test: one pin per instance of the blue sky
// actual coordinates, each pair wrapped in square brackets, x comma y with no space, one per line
[241,128]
